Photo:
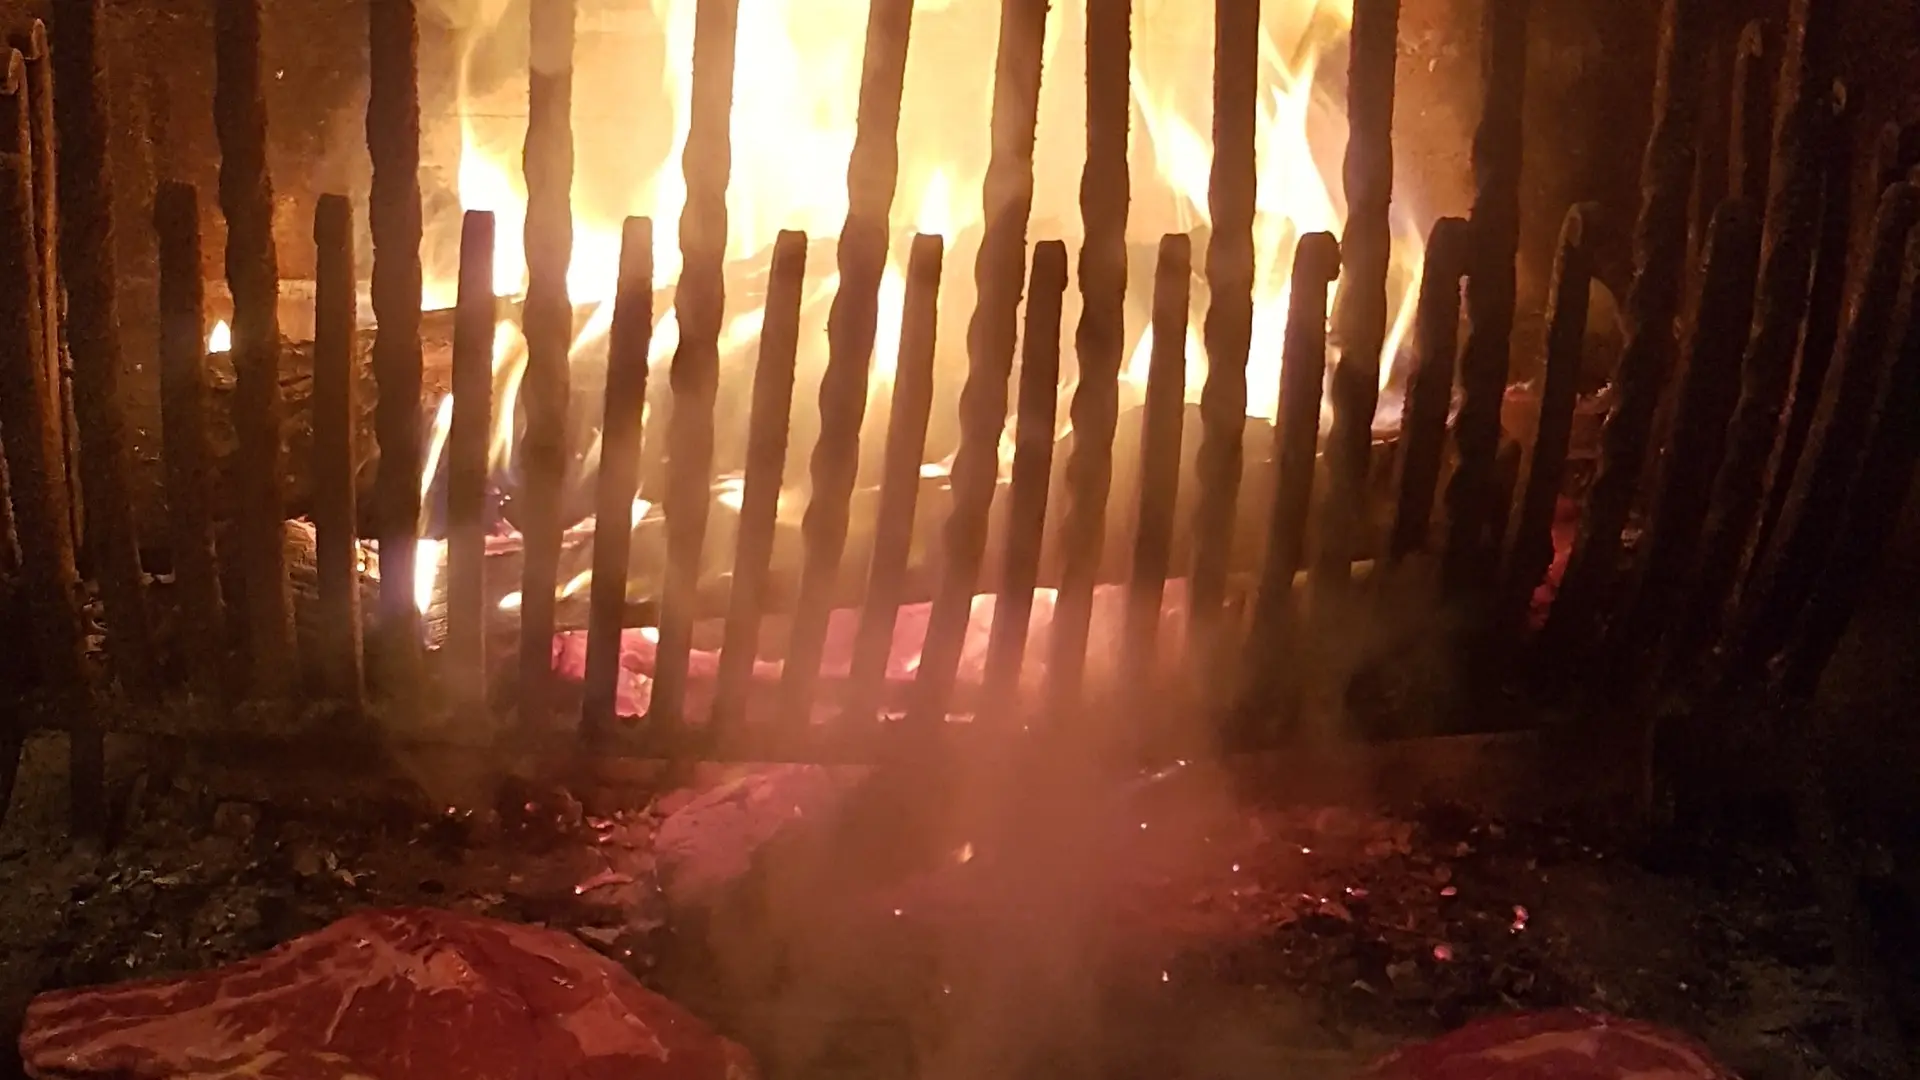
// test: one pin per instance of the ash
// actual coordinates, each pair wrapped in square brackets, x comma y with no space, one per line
[1185,934]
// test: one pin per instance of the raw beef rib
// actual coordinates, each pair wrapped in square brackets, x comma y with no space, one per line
[406,994]
[1562,1045]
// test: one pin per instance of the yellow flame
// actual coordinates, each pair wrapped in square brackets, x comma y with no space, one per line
[220,339]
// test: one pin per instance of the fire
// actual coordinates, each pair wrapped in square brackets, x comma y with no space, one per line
[796,93]
[220,338]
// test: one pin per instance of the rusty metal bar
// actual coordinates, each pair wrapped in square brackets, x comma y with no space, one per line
[183,423]
[1698,440]
[335,453]
[32,44]
[1827,301]
[1750,154]
[872,174]
[998,276]
[700,304]
[768,425]
[253,277]
[1303,367]
[93,335]
[1228,328]
[1436,343]
[1653,305]
[1162,417]
[1032,468]
[1568,297]
[1361,321]
[547,320]
[1785,574]
[1098,342]
[900,477]
[1803,137]
[1873,512]
[476,310]
[30,429]
[1490,289]
[628,344]
[394,216]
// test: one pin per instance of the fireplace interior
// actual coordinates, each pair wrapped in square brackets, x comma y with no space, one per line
[944,537]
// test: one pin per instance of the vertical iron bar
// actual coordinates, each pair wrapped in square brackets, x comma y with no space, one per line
[253,277]
[1098,341]
[1303,367]
[768,426]
[1436,343]
[872,174]
[183,426]
[548,323]
[1803,135]
[394,217]
[701,306]
[1162,418]
[1653,304]
[629,341]
[30,428]
[900,477]
[1032,467]
[1490,288]
[1361,321]
[468,430]
[1559,392]
[1750,153]
[1698,441]
[1229,321]
[335,462]
[998,275]
[93,334]
[1785,574]
[46,222]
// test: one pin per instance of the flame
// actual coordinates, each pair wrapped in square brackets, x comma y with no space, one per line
[220,338]
[799,65]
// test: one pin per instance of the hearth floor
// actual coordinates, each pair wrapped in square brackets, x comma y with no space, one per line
[1296,943]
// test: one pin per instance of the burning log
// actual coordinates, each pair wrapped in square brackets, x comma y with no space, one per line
[1423,427]
[1568,296]
[335,516]
[1302,373]
[467,431]
[1803,136]
[32,44]
[394,215]
[998,274]
[701,306]
[1490,288]
[548,325]
[1229,319]
[1032,465]
[1751,123]
[900,483]
[1788,571]
[253,276]
[1098,342]
[183,418]
[1653,303]
[93,335]
[30,429]
[1159,454]
[766,464]
[1367,247]
[872,174]
[1698,439]
[626,403]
